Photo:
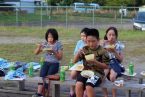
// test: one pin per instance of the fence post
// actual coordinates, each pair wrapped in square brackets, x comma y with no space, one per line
[66,18]
[17,24]
[93,16]
[121,14]
[41,18]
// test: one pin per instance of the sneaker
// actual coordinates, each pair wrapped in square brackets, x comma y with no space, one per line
[37,95]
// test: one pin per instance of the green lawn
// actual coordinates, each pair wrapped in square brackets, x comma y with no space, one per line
[133,40]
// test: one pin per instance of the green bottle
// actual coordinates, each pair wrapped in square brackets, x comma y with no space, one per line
[30,69]
[70,64]
[41,61]
[62,75]
[131,68]
[12,67]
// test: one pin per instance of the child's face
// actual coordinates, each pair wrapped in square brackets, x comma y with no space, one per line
[50,38]
[83,36]
[111,36]
[92,42]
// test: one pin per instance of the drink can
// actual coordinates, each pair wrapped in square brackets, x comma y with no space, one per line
[62,75]
[131,69]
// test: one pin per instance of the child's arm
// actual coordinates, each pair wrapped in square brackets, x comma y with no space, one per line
[118,55]
[38,49]
[101,65]
[78,56]
[98,64]
[58,54]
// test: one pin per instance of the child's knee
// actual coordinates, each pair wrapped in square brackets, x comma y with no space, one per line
[79,85]
[112,78]
[73,74]
[113,75]
[88,87]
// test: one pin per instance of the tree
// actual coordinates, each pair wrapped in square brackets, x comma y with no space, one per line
[1,0]
[139,2]
[100,2]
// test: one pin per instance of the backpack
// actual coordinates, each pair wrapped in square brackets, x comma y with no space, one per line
[2,73]
[116,66]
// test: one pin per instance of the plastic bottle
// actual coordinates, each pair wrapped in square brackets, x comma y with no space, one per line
[62,74]
[12,67]
[70,64]
[131,68]
[41,61]
[30,69]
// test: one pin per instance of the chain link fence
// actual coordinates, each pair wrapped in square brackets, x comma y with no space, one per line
[67,16]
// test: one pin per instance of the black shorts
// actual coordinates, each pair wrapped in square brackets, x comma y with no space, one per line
[94,81]
[49,69]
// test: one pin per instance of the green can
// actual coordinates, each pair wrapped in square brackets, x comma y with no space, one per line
[62,75]
[131,69]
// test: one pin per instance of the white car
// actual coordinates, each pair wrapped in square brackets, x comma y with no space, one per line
[139,21]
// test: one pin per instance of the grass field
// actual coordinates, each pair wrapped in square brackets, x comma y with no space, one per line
[133,40]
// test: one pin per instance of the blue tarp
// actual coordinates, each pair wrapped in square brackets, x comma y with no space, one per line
[20,67]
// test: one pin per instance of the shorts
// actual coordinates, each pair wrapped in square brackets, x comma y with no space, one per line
[49,69]
[94,81]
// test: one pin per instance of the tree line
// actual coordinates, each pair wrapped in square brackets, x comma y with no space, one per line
[135,3]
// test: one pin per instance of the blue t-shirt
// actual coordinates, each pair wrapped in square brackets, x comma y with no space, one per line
[80,44]
[56,47]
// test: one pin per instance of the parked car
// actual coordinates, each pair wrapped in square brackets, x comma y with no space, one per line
[82,7]
[139,21]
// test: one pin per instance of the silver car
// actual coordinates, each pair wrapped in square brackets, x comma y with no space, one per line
[139,21]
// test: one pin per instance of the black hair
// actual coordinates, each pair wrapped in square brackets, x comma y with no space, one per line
[84,30]
[53,32]
[111,28]
[93,32]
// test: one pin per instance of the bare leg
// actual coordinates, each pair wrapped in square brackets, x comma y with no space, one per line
[113,92]
[105,92]
[40,87]
[85,94]
[90,91]
[113,75]
[48,90]
[73,76]
[72,90]
[79,89]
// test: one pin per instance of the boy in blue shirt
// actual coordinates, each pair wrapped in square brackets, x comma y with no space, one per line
[80,44]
